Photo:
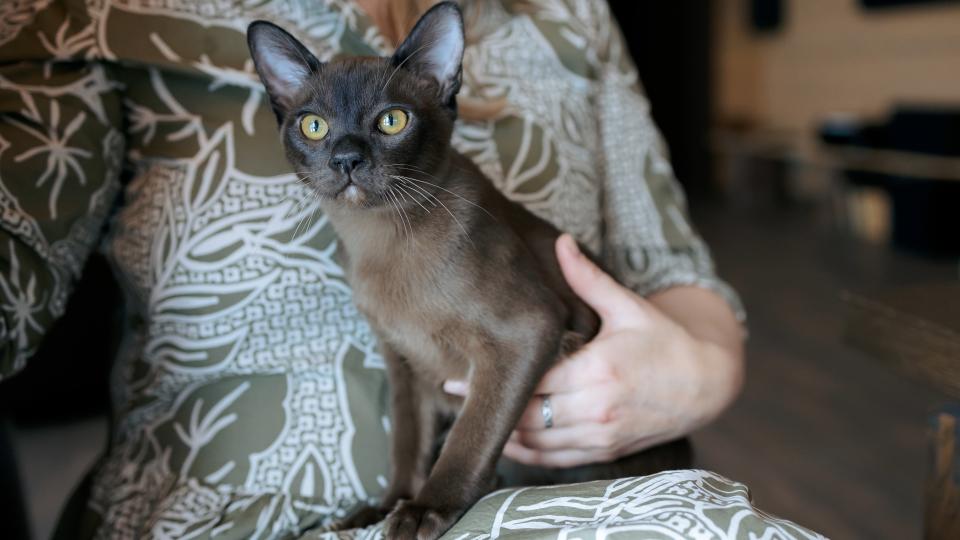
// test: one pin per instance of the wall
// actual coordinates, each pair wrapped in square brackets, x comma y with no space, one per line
[831,56]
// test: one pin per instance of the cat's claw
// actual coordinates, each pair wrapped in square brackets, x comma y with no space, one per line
[411,521]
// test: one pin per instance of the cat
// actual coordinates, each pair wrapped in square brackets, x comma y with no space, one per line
[456,280]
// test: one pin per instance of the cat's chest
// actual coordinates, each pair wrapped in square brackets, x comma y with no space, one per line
[386,306]
[409,308]
[385,288]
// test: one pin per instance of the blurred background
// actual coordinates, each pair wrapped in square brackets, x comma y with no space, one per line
[819,144]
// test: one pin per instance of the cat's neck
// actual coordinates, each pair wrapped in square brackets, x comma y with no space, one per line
[355,222]
[375,232]
[394,232]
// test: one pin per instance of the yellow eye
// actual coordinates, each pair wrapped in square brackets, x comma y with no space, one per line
[393,122]
[314,127]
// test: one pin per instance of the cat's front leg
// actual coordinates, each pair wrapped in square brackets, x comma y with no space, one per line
[414,422]
[502,381]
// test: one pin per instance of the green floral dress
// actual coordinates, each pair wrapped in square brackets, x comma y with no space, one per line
[249,397]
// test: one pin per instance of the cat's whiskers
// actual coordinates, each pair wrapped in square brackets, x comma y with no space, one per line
[391,197]
[294,204]
[386,197]
[403,211]
[307,176]
[404,166]
[300,222]
[457,195]
[413,196]
[417,188]
[403,195]
[318,198]
[414,168]
[432,184]
[297,208]
[414,189]
[396,204]
[425,173]
[452,215]
[311,196]
[427,196]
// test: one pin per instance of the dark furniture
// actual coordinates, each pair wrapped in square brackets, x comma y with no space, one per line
[916,331]
[913,155]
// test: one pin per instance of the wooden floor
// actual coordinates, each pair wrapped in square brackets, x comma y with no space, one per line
[821,434]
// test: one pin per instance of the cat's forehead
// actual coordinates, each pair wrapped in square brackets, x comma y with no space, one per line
[351,85]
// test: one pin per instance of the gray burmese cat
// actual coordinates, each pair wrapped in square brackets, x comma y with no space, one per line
[457,281]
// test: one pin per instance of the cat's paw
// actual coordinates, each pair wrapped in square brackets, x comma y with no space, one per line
[364,517]
[412,521]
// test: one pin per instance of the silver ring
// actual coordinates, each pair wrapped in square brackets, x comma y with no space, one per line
[546,410]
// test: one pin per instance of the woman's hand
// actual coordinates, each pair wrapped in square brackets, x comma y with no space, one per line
[643,380]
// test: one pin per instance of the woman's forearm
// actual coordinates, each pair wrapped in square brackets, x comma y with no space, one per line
[718,372]
[704,313]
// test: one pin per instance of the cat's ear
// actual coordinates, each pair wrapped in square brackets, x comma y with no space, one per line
[434,49]
[283,63]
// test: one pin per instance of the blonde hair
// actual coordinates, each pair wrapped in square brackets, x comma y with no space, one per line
[395,19]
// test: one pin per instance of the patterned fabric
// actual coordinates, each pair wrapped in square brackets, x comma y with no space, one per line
[691,504]
[677,504]
[249,396]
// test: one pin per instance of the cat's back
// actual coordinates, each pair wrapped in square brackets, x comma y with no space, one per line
[527,246]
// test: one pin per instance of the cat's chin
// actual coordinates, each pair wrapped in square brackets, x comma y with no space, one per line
[349,196]
[353,198]
[352,194]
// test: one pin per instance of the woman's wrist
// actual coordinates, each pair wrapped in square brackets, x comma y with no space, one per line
[718,376]
[714,365]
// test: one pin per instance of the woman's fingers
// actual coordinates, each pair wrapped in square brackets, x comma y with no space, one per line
[548,455]
[583,368]
[555,459]
[590,405]
[456,387]
[586,367]
[576,437]
[608,298]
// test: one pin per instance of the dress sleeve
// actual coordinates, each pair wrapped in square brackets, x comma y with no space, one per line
[649,242]
[60,157]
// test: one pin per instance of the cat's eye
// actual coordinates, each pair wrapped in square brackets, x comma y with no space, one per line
[392,122]
[313,127]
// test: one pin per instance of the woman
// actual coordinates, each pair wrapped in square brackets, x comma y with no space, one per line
[249,398]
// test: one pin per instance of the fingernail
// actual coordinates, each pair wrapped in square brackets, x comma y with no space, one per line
[457,388]
[570,245]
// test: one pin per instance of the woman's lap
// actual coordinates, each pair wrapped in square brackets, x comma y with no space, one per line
[692,504]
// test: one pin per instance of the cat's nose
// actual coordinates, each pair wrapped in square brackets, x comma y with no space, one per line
[346,162]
